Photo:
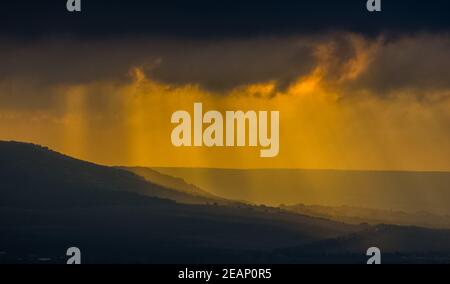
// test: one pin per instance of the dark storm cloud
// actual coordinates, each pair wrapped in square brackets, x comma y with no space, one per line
[222,65]
[348,61]
[218,18]
[217,45]
[416,63]
[51,62]
[213,65]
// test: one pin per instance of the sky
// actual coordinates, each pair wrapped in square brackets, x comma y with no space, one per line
[355,90]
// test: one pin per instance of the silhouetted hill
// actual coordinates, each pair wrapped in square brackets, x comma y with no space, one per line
[32,175]
[49,202]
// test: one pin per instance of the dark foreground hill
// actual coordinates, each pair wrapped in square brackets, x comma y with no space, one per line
[34,176]
[422,245]
[50,202]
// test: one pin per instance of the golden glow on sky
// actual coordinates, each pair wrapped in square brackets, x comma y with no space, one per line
[323,124]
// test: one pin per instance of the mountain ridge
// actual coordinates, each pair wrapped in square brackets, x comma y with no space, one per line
[49,202]
[405,191]
[24,165]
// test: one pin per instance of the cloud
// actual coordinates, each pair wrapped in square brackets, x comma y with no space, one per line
[415,63]
[32,73]
[341,105]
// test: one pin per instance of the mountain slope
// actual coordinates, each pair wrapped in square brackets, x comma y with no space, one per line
[174,183]
[31,174]
[49,202]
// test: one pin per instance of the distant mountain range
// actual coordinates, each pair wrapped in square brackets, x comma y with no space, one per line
[358,215]
[50,202]
[346,214]
[392,191]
